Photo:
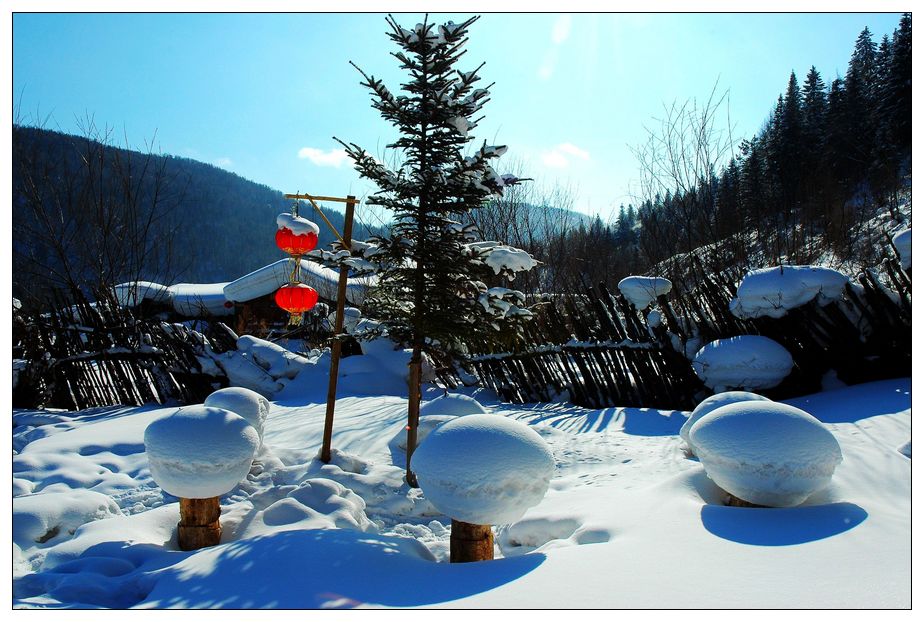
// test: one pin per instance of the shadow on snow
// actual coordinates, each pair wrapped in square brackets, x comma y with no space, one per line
[330,568]
[781,526]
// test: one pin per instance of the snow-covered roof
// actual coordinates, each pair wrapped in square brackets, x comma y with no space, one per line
[197,299]
[133,292]
[270,278]
[194,299]
[188,299]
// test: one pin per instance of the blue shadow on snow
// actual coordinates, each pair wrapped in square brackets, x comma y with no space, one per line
[651,422]
[851,404]
[781,526]
[326,568]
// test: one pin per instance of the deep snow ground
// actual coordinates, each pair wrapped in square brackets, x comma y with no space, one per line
[630,520]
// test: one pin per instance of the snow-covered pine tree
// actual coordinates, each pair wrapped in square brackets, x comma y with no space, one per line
[431,268]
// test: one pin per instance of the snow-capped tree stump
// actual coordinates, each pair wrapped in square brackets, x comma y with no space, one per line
[199,524]
[482,470]
[470,543]
[765,454]
[198,454]
[734,502]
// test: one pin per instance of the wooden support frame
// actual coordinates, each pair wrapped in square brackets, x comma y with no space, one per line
[346,240]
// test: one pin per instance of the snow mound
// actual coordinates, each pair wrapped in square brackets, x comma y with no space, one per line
[425,425]
[773,291]
[746,362]
[275,360]
[245,403]
[766,453]
[484,469]
[296,224]
[452,404]
[41,517]
[902,242]
[710,404]
[319,503]
[642,291]
[200,452]
[243,371]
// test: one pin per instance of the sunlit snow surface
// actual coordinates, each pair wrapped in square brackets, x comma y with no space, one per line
[629,520]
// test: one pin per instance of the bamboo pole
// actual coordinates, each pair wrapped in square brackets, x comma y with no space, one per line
[338,328]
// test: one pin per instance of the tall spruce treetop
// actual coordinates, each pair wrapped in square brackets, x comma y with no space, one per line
[433,271]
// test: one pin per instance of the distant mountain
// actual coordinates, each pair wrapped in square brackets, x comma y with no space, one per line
[67,190]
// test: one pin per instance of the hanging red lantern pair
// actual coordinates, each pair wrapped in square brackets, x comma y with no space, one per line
[296,236]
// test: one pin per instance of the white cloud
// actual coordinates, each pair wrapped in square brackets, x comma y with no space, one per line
[318,157]
[574,150]
[223,163]
[554,159]
[561,156]
[561,30]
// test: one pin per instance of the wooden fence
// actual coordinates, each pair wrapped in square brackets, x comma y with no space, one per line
[83,355]
[597,350]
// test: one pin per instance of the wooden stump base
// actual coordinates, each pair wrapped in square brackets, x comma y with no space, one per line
[470,543]
[199,524]
[733,501]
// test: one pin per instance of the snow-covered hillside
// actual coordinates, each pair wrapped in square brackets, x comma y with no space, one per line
[630,519]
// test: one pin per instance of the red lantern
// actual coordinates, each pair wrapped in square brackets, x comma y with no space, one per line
[296,298]
[294,244]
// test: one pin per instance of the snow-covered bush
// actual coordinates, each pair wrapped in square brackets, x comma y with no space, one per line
[435,413]
[242,371]
[452,404]
[484,469]
[902,242]
[712,403]
[774,291]
[275,360]
[642,291]
[245,403]
[766,453]
[746,362]
[200,452]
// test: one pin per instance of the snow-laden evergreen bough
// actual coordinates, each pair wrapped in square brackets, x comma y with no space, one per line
[433,271]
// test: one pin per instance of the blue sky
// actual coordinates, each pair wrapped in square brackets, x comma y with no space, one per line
[262,94]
